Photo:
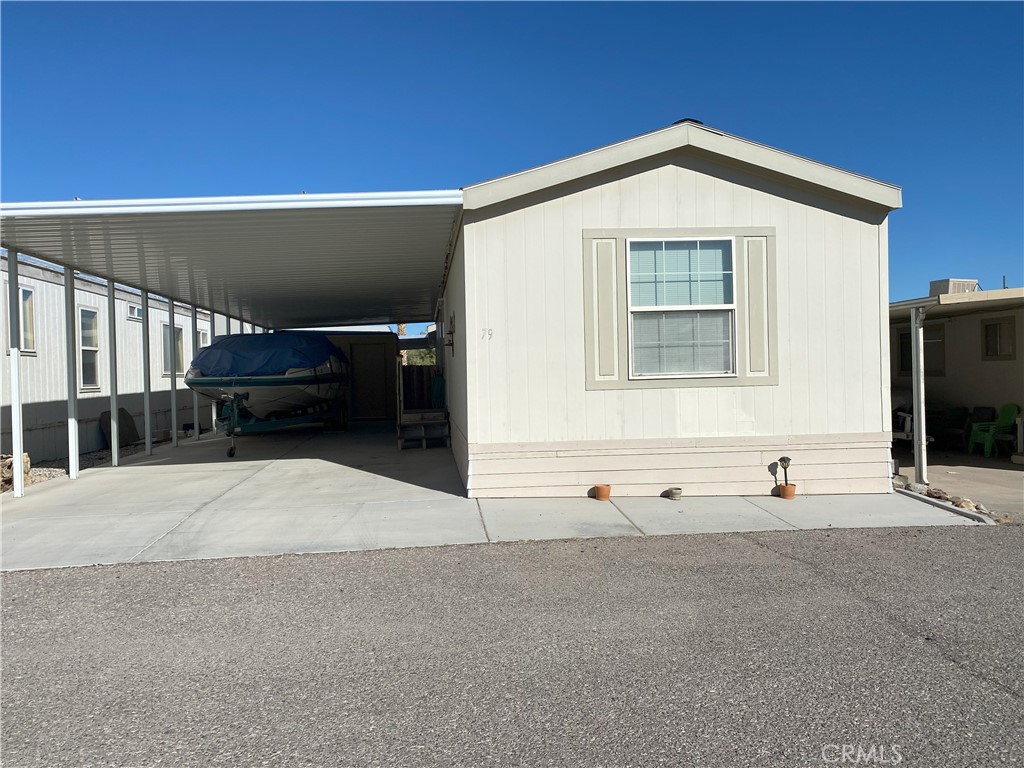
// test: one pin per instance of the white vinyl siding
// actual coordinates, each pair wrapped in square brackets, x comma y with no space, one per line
[178,347]
[811,315]
[682,308]
[89,348]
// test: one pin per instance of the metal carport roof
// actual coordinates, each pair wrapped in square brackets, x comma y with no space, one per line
[278,260]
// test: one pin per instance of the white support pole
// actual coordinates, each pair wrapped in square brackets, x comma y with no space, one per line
[14,328]
[147,383]
[920,433]
[195,395]
[171,354]
[71,354]
[213,403]
[115,432]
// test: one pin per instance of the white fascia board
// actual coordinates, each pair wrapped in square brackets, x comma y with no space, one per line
[675,137]
[240,203]
[788,164]
[979,297]
[567,169]
[901,309]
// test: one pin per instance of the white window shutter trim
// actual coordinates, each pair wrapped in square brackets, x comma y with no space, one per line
[757,305]
[606,302]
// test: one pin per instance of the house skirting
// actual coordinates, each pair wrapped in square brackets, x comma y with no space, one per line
[724,466]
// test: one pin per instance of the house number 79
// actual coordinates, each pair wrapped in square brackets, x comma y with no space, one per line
[486,333]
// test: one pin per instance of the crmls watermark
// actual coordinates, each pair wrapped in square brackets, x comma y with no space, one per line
[858,754]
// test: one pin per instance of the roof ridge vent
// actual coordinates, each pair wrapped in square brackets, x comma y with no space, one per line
[693,120]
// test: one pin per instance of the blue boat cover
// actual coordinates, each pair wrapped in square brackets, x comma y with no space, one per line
[264,354]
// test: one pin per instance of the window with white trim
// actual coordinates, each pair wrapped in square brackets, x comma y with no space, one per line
[682,308]
[26,302]
[179,349]
[27,314]
[677,307]
[88,348]
[135,312]
[204,338]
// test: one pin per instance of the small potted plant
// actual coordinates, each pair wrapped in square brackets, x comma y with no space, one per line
[786,490]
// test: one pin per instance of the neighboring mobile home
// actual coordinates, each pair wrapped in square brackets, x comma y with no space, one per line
[972,353]
[678,309]
[44,385]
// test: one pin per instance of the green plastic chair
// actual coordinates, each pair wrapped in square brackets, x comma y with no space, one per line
[985,432]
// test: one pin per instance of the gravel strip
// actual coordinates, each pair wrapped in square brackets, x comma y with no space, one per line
[47,470]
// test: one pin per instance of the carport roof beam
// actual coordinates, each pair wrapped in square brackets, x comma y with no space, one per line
[237,203]
[348,258]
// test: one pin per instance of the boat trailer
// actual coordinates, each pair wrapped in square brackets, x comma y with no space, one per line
[235,419]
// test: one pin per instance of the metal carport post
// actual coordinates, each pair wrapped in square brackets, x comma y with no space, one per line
[917,354]
[14,330]
[71,355]
[115,431]
[195,351]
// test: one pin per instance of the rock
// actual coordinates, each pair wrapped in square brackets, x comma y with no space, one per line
[967,504]
[899,481]
[918,488]
[7,473]
[980,507]
[937,493]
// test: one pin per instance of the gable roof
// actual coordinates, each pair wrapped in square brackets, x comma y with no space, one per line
[681,135]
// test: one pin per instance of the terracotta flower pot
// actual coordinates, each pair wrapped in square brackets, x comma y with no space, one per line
[787,491]
[602,492]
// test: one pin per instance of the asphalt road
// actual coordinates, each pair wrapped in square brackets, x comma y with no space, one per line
[717,650]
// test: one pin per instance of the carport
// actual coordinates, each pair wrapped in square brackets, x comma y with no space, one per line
[280,261]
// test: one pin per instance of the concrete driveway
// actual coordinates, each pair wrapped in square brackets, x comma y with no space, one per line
[313,491]
[998,483]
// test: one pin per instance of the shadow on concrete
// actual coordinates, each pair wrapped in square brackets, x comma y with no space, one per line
[365,448]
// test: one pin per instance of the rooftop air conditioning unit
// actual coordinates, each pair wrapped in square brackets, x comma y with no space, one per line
[952,285]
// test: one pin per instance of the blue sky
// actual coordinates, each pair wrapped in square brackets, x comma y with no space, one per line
[104,100]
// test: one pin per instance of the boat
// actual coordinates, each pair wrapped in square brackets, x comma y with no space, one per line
[272,376]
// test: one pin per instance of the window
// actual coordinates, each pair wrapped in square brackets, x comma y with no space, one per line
[934,351]
[998,339]
[179,350]
[28,320]
[135,312]
[681,308]
[26,305]
[89,348]
[204,338]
